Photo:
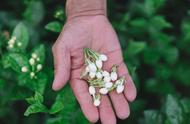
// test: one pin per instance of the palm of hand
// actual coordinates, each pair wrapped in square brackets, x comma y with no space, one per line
[96,33]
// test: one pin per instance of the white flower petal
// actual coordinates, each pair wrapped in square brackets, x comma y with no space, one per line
[103,91]
[108,85]
[107,79]
[105,74]
[113,76]
[92,74]
[91,90]
[120,89]
[96,102]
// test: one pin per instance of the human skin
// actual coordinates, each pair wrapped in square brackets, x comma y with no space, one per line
[88,26]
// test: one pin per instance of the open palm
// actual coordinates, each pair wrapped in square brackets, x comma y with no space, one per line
[94,32]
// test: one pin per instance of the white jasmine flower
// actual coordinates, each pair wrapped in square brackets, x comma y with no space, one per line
[120,89]
[91,90]
[113,76]
[103,91]
[99,63]
[103,57]
[24,69]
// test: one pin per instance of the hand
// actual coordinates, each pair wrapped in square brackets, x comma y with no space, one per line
[94,32]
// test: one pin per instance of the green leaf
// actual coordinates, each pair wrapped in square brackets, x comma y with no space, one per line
[40,52]
[159,22]
[186,104]
[173,110]
[35,108]
[34,12]
[38,98]
[54,26]
[171,55]
[56,107]
[16,61]
[22,36]
[136,47]
[152,117]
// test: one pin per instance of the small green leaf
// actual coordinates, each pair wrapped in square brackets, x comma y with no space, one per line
[136,47]
[56,107]
[35,108]
[54,26]
[16,61]
[22,36]
[38,98]
[34,12]
[173,110]
[186,104]
[152,117]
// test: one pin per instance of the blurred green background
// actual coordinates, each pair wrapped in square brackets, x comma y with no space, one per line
[155,39]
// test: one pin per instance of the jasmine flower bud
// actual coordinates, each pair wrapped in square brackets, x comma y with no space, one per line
[120,89]
[105,74]
[103,57]
[34,55]
[10,46]
[32,74]
[39,67]
[24,69]
[19,44]
[103,91]
[108,85]
[91,90]
[32,61]
[96,102]
[113,76]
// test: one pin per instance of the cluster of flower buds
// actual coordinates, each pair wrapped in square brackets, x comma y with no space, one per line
[35,65]
[100,81]
[12,42]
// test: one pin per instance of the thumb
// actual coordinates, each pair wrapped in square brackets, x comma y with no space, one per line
[62,65]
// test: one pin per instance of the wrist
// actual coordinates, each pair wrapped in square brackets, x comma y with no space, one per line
[76,8]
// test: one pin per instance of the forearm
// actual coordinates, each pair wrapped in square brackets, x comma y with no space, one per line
[76,8]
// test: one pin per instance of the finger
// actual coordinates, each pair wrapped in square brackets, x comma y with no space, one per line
[120,105]
[119,101]
[80,89]
[107,115]
[61,66]
[130,91]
